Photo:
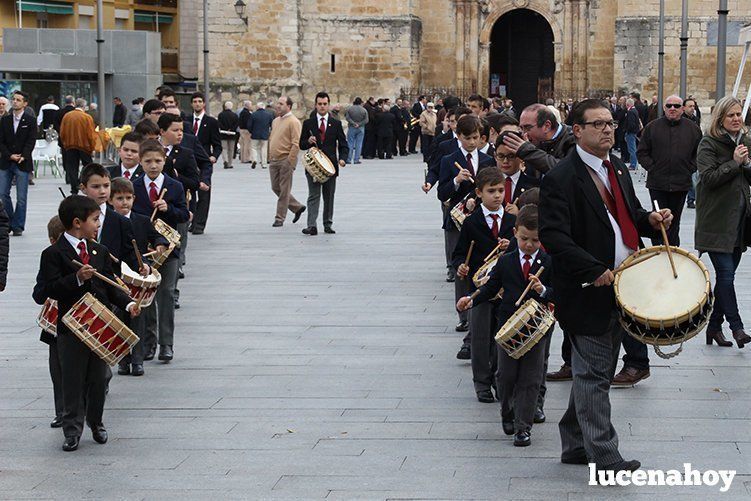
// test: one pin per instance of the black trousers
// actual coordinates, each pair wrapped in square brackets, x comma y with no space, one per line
[425,142]
[566,349]
[202,210]
[414,135]
[369,143]
[401,141]
[71,161]
[383,147]
[675,201]
[57,379]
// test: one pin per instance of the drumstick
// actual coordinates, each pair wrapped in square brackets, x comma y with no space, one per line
[120,281]
[138,254]
[529,286]
[113,258]
[62,193]
[149,254]
[469,255]
[105,279]
[665,239]
[161,196]
[492,253]
[624,267]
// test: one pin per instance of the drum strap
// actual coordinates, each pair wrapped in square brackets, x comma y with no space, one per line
[606,196]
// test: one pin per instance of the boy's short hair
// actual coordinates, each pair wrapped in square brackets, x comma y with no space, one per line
[489,176]
[196,95]
[152,105]
[167,119]
[147,128]
[93,169]
[76,207]
[527,217]
[121,185]
[166,91]
[498,120]
[485,129]
[460,111]
[132,137]
[468,125]
[499,140]
[55,228]
[530,196]
[151,146]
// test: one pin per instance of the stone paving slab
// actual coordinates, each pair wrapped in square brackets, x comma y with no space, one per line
[324,368]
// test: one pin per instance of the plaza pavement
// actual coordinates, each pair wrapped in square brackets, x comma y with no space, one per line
[324,367]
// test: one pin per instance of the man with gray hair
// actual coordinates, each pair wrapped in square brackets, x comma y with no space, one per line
[244,119]
[228,122]
[259,127]
[3,106]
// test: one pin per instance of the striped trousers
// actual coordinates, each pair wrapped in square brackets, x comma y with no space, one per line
[586,427]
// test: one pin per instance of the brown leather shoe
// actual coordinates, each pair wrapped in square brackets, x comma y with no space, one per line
[562,374]
[718,337]
[741,338]
[629,376]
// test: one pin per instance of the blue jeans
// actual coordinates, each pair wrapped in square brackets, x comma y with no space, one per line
[355,135]
[692,191]
[631,143]
[725,301]
[16,216]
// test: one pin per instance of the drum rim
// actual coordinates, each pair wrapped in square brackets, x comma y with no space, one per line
[138,280]
[677,320]
[547,318]
[486,266]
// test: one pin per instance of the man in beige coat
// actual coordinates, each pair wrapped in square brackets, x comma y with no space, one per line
[283,150]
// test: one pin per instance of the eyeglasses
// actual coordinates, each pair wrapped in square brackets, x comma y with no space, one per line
[601,124]
[503,158]
[527,128]
[674,105]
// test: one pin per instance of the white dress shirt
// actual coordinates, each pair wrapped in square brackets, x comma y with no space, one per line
[532,258]
[621,249]
[485,148]
[132,171]
[475,161]
[199,118]
[159,181]
[74,241]
[514,181]
[325,122]
[17,120]
[488,219]
[102,213]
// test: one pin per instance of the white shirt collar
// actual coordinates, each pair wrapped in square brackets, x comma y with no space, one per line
[198,117]
[159,181]
[475,156]
[558,132]
[515,177]
[287,114]
[102,214]
[128,214]
[488,212]
[325,117]
[533,256]
[592,161]
[75,241]
[132,170]
[485,148]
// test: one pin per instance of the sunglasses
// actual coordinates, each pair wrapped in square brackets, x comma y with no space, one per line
[674,106]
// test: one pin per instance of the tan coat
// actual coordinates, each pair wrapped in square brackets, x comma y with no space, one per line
[77,131]
[428,121]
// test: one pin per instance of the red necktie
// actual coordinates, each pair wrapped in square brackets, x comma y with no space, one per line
[322,130]
[82,253]
[508,190]
[526,266]
[495,229]
[195,127]
[469,164]
[153,195]
[127,174]
[622,215]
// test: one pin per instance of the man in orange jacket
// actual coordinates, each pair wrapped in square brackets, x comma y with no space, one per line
[78,137]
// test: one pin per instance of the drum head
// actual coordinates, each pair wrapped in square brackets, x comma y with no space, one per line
[324,161]
[649,292]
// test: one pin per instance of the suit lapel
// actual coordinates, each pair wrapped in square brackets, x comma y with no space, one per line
[68,251]
[620,174]
[590,190]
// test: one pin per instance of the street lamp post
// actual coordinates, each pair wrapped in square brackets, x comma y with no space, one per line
[205,54]
[722,39]
[684,50]
[661,60]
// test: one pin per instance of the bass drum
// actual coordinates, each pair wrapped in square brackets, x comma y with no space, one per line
[318,165]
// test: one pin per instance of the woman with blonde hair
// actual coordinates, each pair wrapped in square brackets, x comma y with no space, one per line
[722,207]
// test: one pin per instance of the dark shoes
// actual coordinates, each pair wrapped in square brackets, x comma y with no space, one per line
[165,352]
[137,370]
[329,230]
[508,427]
[277,224]
[620,466]
[562,374]
[462,327]
[57,422]
[123,369]
[17,233]
[522,439]
[199,232]
[741,338]
[71,443]
[253,165]
[99,434]
[629,376]
[576,459]
[150,353]
[180,272]
[539,416]
[464,352]
[718,337]
[485,396]
[298,214]
[450,275]
[311,230]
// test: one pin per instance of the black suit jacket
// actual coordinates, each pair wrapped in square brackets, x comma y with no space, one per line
[144,233]
[434,156]
[447,192]
[523,184]
[335,144]
[117,236]
[416,110]
[507,275]
[20,141]
[476,229]
[205,167]
[576,232]
[181,165]
[177,210]
[208,135]
[116,171]
[57,279]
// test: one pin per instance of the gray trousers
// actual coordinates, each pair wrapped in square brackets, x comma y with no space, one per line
[519,385]
[151,327]
[483,346]
[165,302]
[182,228]
[138,325]
[586,426]
[461,287]
[314,201]
[543,386]
[202,210]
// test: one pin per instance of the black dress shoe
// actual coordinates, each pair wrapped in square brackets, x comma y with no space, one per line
[464,353]
[718,337]
[576,459]
[99,434]
[741,338]
[539,416]
[462,327]
[197,232]
[57,422]
[522,439]
[180,272]
[177,303]
[71,443]
[123,369]
[277,224]
[165,352]
[298,214]
[485,396]
[632,465]
[311,230]
[150,353]
[450,275]
[137,370]
[329,230]
[508,427]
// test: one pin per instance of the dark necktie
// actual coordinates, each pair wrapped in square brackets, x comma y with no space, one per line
[322,130]
[495,229]
[153,195]
[622,215]
[82,253]
[508,190]
[127,174]
[195,127]
[526,266]
[470,168]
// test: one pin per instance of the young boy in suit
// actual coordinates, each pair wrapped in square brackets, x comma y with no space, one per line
[128,153]
[487,227]
[121,198]
[517,181]
[173,211]
[454,184]
[518,380]
[84,374]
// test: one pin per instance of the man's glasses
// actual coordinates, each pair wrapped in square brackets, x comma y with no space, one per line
[674,105]
[503,158]
[601,124]
[527,128]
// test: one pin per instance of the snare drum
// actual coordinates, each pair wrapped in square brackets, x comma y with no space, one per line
[318,165]
[143,288]
[168,232]
[657,308]
[99,329]
[525,328]
[47,318]
[482,275]
[459,213]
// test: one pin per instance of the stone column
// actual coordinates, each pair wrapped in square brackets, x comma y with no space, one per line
[582,31]
[473,49]
[460,7]
[483,74]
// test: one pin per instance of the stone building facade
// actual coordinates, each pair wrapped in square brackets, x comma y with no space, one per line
[531,48]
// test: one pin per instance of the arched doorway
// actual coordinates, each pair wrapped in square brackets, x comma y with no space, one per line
[522,60]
